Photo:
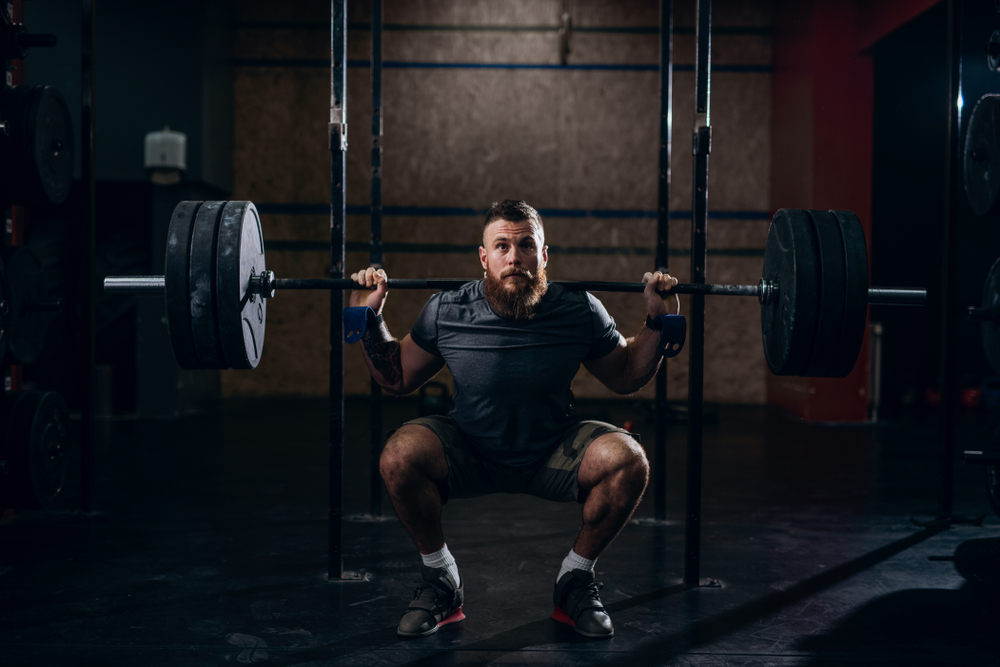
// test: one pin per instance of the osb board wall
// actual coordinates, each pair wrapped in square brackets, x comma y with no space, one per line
[581,143]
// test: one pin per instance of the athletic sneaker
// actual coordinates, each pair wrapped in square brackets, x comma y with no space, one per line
[436,602]
[578,603]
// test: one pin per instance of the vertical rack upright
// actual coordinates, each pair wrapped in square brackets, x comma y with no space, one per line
[338,217]
[663,245]
[949,379]
[701,148]
[376,245]
[88,207]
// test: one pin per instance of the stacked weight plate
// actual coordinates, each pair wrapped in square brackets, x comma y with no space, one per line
[4,309]
[36,160]
[819,261]
[25,324]
[991,329]
[35,448]
[213,249]
[981,157]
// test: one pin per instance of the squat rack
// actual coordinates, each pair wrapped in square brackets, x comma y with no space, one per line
[338,210]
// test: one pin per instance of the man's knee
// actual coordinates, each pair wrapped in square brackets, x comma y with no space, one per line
[619,456]
[410,453]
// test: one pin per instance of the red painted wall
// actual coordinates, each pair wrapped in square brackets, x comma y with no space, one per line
[821,149]
[821,159]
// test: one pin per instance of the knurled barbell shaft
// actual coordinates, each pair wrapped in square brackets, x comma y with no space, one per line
[155,284]
[455,283]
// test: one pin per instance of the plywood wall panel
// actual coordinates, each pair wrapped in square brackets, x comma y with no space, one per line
[264,41]
[739,166]
[280,148]
[296,342]
[570,140]
[474,12]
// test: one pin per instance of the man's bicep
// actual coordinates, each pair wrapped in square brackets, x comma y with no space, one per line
[608,369]
[419,365]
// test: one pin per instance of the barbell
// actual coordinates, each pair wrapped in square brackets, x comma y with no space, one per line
[813,290]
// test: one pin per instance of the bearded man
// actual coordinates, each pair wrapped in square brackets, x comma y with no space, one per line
[513,344]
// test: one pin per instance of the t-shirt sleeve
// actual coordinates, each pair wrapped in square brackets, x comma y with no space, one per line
[425,331]
[605,335]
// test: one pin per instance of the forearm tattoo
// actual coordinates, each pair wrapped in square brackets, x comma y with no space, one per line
[383,353]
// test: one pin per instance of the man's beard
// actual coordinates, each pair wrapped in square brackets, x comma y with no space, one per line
[518,303]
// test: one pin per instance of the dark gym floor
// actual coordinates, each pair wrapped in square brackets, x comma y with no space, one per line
[209,543]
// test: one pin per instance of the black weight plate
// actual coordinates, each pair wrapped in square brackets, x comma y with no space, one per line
[26,326]
[35,447]
[242,315]
[37,156]
[203,303]
[993,487]
[831,293]
[991,330]
[4,309]
[788,323]
[176,270]
[981,157]
[856,295]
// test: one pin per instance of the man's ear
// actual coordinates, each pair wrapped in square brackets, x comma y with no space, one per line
[482,257]
[545,255]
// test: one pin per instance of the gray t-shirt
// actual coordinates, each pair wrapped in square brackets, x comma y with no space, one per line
[512,379]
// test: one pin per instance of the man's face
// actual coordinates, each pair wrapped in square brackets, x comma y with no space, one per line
[514,256]
[511,247]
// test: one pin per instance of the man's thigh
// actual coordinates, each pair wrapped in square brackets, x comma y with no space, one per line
[556,479]
[468,475]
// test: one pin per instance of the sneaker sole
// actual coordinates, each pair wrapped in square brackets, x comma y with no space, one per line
[559,616]
[453,617]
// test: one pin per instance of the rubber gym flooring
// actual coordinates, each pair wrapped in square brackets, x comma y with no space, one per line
[208,547]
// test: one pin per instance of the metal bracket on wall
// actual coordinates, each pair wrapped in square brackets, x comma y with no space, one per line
[565,33]
[702,141]
[338,130]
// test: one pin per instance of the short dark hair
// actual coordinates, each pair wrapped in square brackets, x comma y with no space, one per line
[512,210]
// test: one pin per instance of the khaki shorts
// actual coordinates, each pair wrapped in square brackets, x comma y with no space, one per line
[470,475]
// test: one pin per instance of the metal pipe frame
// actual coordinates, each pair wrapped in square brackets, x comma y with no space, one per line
[663,247]
[949,263]
[375,259]
[338,251]
[88,179]
[696,350]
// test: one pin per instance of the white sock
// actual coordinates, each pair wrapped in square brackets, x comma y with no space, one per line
[443,558]
[575,561]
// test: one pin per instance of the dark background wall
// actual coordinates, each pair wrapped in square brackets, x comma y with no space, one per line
[157,64]
[910,128]
[908,188]
[477,108]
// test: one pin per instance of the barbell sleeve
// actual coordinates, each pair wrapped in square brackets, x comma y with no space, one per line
[896,296]
[134,284]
